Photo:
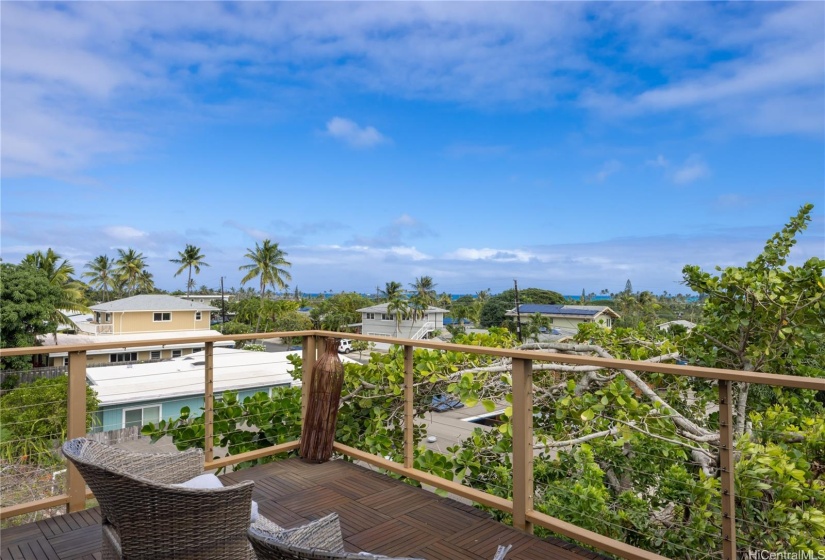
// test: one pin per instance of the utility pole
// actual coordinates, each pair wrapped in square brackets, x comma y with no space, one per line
[518,313]
[223,306]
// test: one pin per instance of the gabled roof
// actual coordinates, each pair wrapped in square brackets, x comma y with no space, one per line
[582,311]
[382,308]
[153,302]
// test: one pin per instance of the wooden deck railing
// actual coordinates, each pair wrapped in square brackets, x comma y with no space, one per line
[520,507]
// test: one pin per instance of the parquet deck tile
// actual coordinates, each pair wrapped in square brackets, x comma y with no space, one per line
[317,500]
[358,485]
[392,538]
[377,513]
[397,501]
[445,550]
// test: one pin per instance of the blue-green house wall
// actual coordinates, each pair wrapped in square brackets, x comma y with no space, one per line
[110,417]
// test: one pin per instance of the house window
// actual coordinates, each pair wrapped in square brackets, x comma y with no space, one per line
[66,361]
[177,353]
[154,355]
[387,317]
[123,357]
[97,316]
[107,318]
[162,317]
[197,315]
[369,315]
[141,416]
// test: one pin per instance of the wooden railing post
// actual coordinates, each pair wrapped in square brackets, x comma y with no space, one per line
[308,354]
[409,442]
[726,467]
[76,427]
[522,420]
[209,401]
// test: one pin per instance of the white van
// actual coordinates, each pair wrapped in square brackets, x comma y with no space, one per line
[345,346]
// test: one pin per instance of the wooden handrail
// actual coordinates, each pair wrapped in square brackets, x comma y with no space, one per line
[773,379]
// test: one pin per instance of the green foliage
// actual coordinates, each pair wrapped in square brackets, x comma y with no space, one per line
[33,420]
[29,302]
[336,312]
[256,422]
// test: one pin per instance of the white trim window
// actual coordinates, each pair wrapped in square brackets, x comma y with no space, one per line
[177,353]
[369,315]
[154,355]
[198,315]
[141,416]
[161,317]
[387,317]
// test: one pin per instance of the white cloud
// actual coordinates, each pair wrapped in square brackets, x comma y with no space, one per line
[692,170]
[660,161]
[354,135]
[124,233]
[487,254]
[608,168]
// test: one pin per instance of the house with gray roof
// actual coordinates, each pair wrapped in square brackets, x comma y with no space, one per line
[567,316]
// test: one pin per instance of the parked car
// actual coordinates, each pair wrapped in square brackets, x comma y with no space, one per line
[345,346]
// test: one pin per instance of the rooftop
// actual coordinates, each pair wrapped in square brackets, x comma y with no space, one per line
[563,310]
[152,302]
[233,370]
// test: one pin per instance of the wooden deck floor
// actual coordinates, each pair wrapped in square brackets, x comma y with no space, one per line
[377,513]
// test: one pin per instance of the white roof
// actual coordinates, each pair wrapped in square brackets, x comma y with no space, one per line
[233,370]
[152,302]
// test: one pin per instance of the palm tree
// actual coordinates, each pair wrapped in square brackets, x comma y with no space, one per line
[398,308]
[425,289]
[190,258]
[101,274]
[267,264]
[59,275]
[391,291]
[131,266]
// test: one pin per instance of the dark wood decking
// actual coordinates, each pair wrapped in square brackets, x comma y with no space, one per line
[377,513]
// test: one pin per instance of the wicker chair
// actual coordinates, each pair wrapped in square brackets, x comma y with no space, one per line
[319,540]
[145,516]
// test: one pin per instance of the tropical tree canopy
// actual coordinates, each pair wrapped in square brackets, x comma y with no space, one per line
[268,262]
[60,274]
[190,258]
[101,274]
[131,272]
[28,307]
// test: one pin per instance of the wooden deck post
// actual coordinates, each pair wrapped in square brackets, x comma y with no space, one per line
[76,427]
[409,442]
[522,420]
[209,402]
[308,347]
[726,468]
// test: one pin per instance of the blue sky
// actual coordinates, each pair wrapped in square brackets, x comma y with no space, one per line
[567,145]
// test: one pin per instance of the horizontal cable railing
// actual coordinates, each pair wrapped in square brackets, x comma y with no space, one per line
[536,495]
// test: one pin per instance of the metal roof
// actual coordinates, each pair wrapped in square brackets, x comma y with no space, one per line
[153,302]
[563,310]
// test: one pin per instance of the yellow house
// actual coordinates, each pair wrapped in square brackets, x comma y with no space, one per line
[136,318]
[150,314]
